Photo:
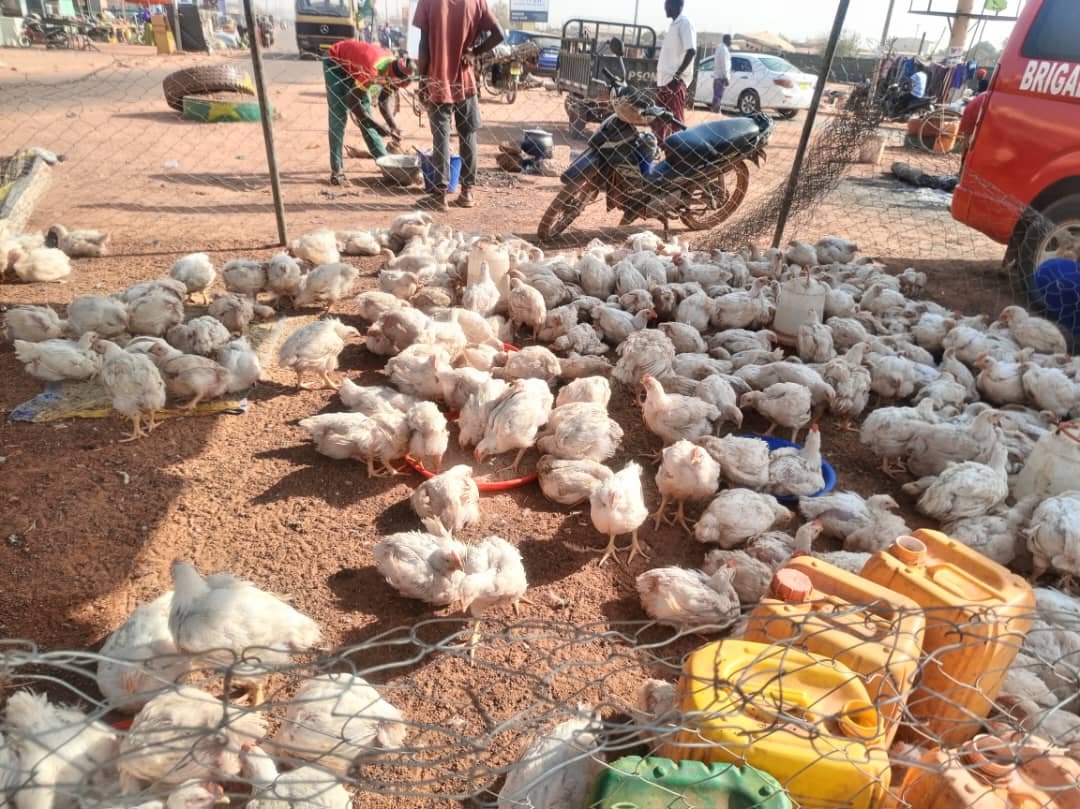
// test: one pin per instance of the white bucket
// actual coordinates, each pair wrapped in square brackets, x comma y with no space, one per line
[797,300]
[1053,466]
[498,261]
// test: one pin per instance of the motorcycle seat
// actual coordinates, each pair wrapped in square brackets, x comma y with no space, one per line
[708,143]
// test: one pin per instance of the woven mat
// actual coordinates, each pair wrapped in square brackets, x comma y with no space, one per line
[90,400]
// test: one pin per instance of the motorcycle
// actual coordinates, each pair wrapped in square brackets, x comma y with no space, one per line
[897,104]
[49,35]
[502,78]
[702,181]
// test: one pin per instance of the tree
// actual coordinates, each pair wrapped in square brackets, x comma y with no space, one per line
[985,54]
[850,44]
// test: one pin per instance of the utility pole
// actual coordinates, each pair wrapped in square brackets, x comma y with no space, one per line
[636,2]
[958,37]
[881,50]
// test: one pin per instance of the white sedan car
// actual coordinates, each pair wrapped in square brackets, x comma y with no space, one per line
[759,82]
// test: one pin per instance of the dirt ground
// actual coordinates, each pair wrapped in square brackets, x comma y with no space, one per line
[89,525]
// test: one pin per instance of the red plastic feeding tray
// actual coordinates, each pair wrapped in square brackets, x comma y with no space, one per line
[482,485]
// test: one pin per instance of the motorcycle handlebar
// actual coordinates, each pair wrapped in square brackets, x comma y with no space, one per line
[615,80]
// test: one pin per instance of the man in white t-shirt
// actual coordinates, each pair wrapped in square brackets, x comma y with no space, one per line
[721,76]
[675,66]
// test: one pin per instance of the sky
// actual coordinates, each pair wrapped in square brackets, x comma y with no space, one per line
[792,18]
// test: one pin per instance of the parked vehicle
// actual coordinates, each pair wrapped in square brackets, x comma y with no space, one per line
[48,33]
[547,62]
[702,181]
[759,82]
[1020,181]
[501,71]
[321,23]
[583,58]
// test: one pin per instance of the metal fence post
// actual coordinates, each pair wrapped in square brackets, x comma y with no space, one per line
[811,117]
[267,125]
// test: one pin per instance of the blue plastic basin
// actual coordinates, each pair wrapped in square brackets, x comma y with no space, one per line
[1058,283]
[827,472]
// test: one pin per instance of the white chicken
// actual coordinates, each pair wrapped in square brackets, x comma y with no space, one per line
[814,341]
[236,311]
[1053,535]
[797,472]
[581,431]
[154,311]
[687,472]
[750,577]
[785,404]
[33,324]
[240,360]
[223,619]
[494,574]
[196,272]
[1033,332]
[617,506]
[61,755]
[315,348]
[327,285]
[244,276]
[526,306]
[189,375]
[648,351]
[201,335]
[514,419]
[43,265]
[423,566]
[674,417]
[106,317]
[337,719]
[305,787]
[140,660]
[689,599]
[185,734]
[78,243]
[318,247]
[382,437]
[835,250]
[283,277]
[57,360]
[735,515]
[594,389]
[865,525]
[482,295]
[447,503]
[558,769]
[996,535]
[569,482]
[966,489]
[134,384]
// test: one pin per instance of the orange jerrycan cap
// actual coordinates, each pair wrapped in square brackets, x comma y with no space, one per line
[909,550]
[859,720]
[988,755]
[789,584]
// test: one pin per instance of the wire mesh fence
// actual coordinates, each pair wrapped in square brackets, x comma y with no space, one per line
[549,713]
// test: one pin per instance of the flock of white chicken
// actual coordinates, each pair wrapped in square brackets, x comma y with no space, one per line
[688,330]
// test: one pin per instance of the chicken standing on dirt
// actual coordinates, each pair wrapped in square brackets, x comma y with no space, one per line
[617,506]
[315,348]
[687,472]
[190,375]
[134,385]
[447,503]
[569,482]
[327,285]
[558,769]
[514,419]
[225,618]
[337,719]
[674,417]
[140,659]
[196,273]
[494,574]
[423,566]
[689,599]
[735,515]
[429,434]
[787,404]
[318,247]
[59,754]
[851,381]
[184,734]
[244,277]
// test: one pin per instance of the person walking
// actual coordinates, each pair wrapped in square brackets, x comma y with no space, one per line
[676,58]
[449,30]
[356,74]
[721,76]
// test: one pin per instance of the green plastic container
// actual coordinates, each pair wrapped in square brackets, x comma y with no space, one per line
[634,782]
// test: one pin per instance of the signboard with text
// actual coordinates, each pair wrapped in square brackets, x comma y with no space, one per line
[529,10]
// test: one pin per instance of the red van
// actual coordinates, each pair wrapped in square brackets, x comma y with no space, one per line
[1020,181]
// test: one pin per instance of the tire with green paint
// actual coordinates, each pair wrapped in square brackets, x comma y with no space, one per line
[211,109]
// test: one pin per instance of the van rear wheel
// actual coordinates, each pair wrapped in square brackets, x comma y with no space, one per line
[1052,233]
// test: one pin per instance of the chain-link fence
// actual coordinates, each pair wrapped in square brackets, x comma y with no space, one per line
[545,713]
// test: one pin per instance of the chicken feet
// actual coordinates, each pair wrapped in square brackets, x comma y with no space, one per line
[893,467]
[635,549]
[326,382]
[680,515]
[137,431]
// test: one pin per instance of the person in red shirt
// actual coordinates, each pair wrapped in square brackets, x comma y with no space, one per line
[448,31]
[356,74]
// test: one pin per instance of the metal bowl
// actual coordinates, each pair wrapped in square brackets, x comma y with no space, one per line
[400,169]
